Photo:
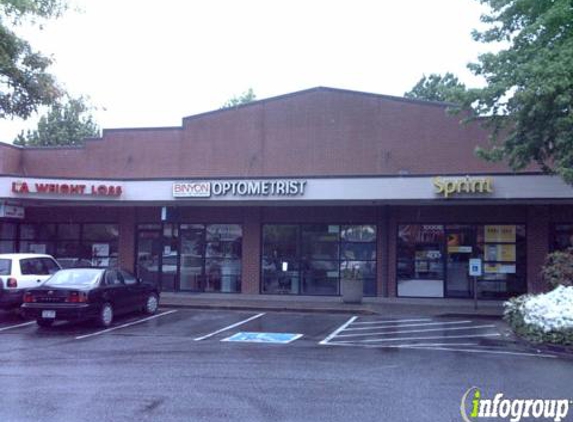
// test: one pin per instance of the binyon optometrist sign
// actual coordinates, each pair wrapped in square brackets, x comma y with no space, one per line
[241,188]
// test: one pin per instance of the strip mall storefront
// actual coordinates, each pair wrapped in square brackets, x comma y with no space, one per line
[242,223]
[409,237]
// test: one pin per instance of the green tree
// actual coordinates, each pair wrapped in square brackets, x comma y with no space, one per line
[64,124]
[528,97]
[25,83]
[246,97]
[435,87]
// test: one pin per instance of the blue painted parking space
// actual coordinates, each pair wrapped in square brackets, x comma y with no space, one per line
[268,338]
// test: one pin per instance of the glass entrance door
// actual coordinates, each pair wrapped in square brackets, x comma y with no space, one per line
[420,267]
[461,247]
[192,252]
[149,248]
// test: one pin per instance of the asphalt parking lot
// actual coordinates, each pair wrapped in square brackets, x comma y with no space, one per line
[184,364]
[455,334]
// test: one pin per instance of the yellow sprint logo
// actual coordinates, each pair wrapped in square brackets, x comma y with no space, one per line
[512,409]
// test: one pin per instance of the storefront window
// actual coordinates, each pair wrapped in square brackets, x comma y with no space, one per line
[72,244]
[193,257]
[307,259]
[68,231]
[223,253]
[149,251]
[38,238]
[7,237]
[358,250]
[69,246]
[100,243]
[503,252]
[433,260]
[170,256]
[421,260]
[280,263]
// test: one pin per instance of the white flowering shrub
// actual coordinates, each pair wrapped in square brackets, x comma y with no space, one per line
[543,318]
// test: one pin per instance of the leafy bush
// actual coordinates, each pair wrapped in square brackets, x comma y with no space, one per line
[544,318]
[558,268]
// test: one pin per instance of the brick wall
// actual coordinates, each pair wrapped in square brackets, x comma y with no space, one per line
[126,248]
[382,251]
[537,246]
[10,159]
[251,271]
[320,132]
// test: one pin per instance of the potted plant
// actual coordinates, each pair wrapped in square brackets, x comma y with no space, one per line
[351,285]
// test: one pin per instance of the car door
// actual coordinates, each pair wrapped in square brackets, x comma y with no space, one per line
[116,291]
[135,291]
[35,270]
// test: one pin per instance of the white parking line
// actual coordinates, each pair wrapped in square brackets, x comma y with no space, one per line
[229,327]
[422,338]
[397,346]
[497,352]
[386,321]
[129,324]
[17,326]
[442,347]
[338,330]
[474,327]
[423,324]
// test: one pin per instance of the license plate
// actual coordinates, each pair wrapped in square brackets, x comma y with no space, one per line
[49,314]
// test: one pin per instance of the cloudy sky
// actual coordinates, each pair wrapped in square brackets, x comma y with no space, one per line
[150,63]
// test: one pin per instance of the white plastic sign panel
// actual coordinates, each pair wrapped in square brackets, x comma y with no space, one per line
[475,267]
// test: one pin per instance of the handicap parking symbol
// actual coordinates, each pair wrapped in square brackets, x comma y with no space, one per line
[271,338]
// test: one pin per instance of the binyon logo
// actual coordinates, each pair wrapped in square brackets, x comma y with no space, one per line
[474,407]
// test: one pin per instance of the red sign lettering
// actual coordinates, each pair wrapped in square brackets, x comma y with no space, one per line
[67,189]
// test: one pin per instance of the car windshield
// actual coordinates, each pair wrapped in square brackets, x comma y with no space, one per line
[83,277]
[5,266]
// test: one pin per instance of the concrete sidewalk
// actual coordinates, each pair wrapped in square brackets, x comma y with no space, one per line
[380,306]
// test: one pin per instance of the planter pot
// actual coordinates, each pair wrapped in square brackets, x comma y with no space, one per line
[351,290]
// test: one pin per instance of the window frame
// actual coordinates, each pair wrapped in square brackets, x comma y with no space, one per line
[299,260]
[476,227]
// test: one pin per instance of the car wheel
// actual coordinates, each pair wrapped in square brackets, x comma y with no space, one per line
[105,316]
[44,322]
[151,304]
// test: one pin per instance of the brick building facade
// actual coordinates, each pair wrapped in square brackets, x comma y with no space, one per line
[285,195]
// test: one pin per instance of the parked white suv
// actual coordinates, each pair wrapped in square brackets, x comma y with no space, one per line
[22,271]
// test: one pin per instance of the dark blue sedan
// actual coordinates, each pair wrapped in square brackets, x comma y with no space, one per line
[99,294]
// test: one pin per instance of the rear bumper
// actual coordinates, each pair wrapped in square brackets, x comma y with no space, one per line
[64,311]
[11,298]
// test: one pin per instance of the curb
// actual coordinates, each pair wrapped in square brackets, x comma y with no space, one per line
[236,307]
[557,349]
[366,309]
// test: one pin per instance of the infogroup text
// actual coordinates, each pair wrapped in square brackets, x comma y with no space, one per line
[475,406]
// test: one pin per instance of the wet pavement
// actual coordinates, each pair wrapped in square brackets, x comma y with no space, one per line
[179,366]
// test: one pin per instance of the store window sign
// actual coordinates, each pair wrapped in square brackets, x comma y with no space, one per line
[475,267]
[68,188]
[467,185]
[504,253]
[11,211]
[500,233]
